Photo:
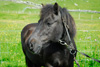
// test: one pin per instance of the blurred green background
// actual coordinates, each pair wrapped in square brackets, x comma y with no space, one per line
[15,14]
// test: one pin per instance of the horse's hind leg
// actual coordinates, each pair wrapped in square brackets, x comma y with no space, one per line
[29,63]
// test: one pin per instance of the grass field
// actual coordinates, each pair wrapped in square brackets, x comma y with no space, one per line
[11,24]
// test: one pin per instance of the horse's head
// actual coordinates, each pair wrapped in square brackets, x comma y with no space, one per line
[49,28]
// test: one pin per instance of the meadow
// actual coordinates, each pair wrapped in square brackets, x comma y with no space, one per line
[12,22]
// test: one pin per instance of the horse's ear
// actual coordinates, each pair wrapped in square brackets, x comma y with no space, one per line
[56,8]
[42,5]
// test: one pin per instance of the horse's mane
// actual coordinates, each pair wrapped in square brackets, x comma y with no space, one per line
[48,9]
[70,22]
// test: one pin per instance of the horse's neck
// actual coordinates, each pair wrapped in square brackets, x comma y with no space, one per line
[54,47]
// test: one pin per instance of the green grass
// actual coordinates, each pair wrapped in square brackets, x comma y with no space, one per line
[11,24]
[11,6]
[70,4]
[82,4]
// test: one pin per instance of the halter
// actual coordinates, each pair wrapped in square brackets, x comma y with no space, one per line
[70,46]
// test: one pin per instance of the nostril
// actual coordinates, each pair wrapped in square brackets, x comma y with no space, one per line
[32,44]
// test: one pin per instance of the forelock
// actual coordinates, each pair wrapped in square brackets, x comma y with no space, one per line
[46,11]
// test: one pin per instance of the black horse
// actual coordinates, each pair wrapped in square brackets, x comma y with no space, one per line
[40,41]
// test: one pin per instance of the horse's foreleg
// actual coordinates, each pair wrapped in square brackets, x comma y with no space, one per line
[29,63]
[48,65]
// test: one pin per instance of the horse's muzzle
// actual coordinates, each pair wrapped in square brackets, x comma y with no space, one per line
[34,46]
